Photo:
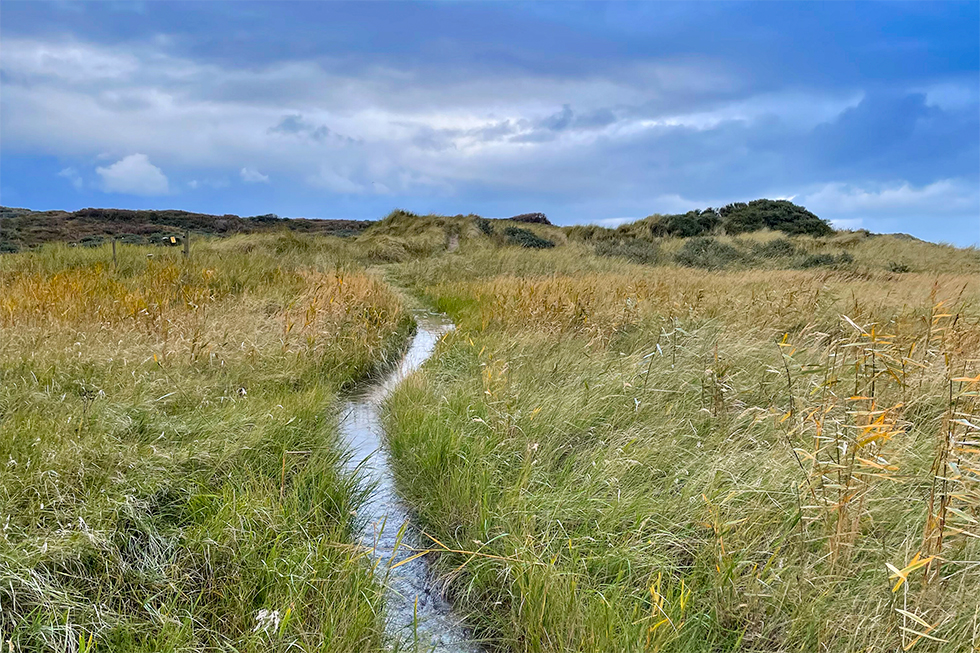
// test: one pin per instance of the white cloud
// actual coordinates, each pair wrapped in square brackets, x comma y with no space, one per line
[194,184]
[335,182]
[78,99]
[947,210]
[253,176]
[72,175]
[613,222]
[134,175]
[71,62]
[944,197]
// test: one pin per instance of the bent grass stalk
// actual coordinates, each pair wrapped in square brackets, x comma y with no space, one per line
[172,481]
[538,420]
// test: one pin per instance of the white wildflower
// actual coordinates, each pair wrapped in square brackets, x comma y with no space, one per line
[266,620]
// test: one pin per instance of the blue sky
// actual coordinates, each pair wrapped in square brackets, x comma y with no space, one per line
[868,114]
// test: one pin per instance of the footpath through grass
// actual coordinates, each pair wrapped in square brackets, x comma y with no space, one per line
[170,475]
[639,458]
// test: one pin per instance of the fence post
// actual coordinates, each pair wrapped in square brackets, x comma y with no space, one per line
[114,264]
[187,243]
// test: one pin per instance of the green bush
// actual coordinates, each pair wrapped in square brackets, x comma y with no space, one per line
[485,226]
[816,260]
[775,248]
[525,238]
[533,218]
[895,266]
[737,218]
[91,241]
[707,253]
[686,225]
[778,215]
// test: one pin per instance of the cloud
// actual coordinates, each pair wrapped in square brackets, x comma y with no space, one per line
[613,222]
[69,62]
[133,175]
[296,125]
[253,176]
[945,210]
[941,198]
[897,135]
[671,129]
[559,121]
[72,175]
[328,179]
[586,132]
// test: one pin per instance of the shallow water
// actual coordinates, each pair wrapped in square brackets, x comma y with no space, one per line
[417,612]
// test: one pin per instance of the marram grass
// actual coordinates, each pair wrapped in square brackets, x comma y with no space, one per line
[664,459]
[607,456]
[171,475]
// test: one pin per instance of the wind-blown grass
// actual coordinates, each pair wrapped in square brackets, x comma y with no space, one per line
[171,475]
[611,455]
[677,460]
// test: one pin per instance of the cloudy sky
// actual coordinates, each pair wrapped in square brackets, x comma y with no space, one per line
[868,114]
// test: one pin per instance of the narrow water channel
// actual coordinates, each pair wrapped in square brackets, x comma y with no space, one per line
[418,615]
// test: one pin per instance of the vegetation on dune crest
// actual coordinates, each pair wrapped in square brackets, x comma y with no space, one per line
[734,219]
[533,218]
[526,238]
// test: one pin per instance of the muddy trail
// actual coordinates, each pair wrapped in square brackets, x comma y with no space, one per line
[418,616]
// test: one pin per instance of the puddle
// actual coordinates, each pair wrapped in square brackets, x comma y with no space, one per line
[417,612]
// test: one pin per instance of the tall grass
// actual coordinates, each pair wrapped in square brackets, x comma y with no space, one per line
[171,476]
[665,459]
[609,455]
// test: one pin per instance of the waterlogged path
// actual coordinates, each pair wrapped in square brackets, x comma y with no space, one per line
[418,615]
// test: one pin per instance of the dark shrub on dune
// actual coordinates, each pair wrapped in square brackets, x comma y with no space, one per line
[532,218]
[525,238]
[707,253]
[777,215]
[775,248]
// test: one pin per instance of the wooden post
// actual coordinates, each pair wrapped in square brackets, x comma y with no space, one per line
[187,243]
[114,264]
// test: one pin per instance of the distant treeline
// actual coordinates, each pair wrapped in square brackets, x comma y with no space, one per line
[23,228]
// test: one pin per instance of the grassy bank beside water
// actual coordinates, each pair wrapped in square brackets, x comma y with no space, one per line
[170,475]
[654,458]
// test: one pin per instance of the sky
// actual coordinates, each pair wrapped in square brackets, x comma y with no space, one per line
[868,114]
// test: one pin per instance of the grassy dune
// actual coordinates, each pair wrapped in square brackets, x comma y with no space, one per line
[171,478]
[644,458]
[748,442]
